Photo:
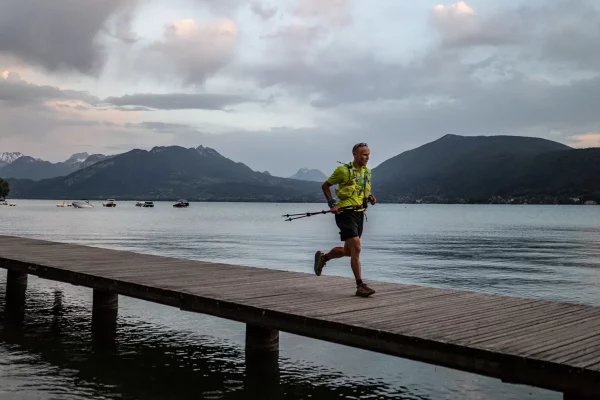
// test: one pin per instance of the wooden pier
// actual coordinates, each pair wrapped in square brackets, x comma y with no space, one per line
[545,344]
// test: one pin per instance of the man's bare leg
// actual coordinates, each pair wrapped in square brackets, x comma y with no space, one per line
[351,249]
[353,246]
[362,290]
[337,252]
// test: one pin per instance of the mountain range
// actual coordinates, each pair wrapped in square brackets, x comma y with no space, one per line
[313,175]
[17,165]
[452,169]
[168,173]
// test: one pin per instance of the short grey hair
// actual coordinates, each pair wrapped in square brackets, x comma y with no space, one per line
[358,146]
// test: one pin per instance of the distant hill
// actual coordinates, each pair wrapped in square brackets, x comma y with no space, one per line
[25,167]
[305,174]
[474,169]
[168,173]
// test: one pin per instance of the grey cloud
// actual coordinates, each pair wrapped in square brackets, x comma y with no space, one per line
[120,26]
[17,92]
[328,12]
[178,101]
[133,108]
[559,31]
[569,32]
[460,26]
[262,10]
[294,42]
[58,34]
[164,127]
[80,122]
[350,78]
[191,51]
[222,7]
[79,107]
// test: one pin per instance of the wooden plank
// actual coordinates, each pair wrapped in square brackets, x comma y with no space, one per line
[538,330]
[494,328]
[464,316]
[557,344]
[403,303]
[423,307]
[577,352]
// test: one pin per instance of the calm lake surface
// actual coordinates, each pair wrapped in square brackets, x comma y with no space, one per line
[546,252]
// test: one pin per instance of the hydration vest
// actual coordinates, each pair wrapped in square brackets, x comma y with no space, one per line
[350,187]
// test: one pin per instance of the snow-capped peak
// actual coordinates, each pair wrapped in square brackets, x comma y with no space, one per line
[77,158]
[7,158]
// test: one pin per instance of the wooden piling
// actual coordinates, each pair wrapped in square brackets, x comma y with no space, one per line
[262,362]
[261,340]
[104,313]
[16,289]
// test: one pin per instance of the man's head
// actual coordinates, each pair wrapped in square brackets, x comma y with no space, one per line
[361,154]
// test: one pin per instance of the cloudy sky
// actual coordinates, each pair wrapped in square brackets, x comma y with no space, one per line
[281,85]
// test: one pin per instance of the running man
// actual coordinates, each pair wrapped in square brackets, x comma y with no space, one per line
[353,191]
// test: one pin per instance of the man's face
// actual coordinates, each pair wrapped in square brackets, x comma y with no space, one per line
[361,156]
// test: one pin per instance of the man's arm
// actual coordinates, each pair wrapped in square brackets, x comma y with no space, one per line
[327,192]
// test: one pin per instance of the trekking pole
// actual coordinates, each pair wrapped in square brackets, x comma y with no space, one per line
[291,217]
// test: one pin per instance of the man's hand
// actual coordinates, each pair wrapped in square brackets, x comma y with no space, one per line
[372,199]
[335,209]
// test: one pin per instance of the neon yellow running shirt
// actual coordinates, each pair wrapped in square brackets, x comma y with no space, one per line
[353,184]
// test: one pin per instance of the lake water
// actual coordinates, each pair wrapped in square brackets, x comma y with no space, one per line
[546,252]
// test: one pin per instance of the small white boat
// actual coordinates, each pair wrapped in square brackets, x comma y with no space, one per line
[82,204]
[110,203]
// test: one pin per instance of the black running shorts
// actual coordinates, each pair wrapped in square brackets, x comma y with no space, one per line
[350,224]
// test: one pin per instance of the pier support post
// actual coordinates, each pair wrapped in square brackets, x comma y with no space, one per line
[262,362]
[16,288]
[261,340]
[104,315]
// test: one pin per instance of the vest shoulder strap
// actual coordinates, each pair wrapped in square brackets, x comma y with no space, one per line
[350,168]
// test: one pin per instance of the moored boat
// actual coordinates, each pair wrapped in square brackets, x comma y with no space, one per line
[82,204]
[181,204]
[110,203]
